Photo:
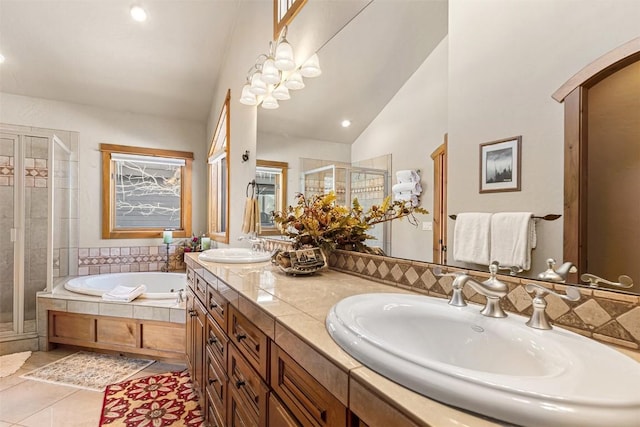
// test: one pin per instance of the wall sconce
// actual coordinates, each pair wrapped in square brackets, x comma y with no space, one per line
[245,156]
[273,75]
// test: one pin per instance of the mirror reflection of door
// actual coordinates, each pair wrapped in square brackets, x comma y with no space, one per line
[271,178]
[602,166]
[439,157]
[613,178]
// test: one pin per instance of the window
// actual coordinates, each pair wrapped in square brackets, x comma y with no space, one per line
[218,165]
[283,13]
[145,191]
[271,178]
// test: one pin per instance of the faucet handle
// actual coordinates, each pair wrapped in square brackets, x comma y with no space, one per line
[437,271]
[539,319]
[624,281]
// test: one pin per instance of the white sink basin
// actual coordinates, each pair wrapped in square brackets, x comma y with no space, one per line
[496,367]
[234,255]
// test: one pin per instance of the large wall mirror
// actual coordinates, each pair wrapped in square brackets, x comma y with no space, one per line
[358,87]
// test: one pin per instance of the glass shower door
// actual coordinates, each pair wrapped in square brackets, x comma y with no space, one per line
[8,145]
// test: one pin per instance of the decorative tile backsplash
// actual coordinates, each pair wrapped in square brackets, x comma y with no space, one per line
[611,317]
[36,171]
[128,259]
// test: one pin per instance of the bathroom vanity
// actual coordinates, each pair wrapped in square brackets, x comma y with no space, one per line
[260,355]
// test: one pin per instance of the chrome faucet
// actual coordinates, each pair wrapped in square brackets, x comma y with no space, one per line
[559,275]
[539,319]
[257,243]
[624,281]
[492,288]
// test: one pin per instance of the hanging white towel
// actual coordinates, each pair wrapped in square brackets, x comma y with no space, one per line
[124,293]
[406,197]
[407,176]
[512,238]
[471,238]
[412,187]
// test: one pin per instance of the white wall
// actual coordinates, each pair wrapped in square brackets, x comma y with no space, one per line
[506,58]
[291,150]
[96,126]
[250,38]
[410,128]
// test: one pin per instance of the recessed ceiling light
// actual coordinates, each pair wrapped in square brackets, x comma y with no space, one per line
[1,58]
[345,123]
[138,14]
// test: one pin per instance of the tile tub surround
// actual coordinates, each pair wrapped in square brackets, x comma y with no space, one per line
[128,259]
[292,312]
[610,317]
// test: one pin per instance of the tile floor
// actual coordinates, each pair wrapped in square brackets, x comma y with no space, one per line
[28,403]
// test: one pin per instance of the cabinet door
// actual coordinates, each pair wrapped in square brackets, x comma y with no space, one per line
[279,416]
[216,386]
[247,386]
[251,341]
[306,398]
[238,415]
[217,306]
[191,315]
[199,319]
[217,341]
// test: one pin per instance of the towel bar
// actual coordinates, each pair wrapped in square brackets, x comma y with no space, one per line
[548,217]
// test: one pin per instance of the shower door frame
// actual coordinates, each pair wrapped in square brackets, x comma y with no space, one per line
[18,230]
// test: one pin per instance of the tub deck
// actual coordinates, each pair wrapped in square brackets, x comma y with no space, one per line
[148,327]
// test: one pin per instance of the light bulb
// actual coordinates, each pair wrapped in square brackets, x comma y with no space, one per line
[247,97]
[138,13]
[270,103]
[284,56]
[294,81]
[311,67]
[270,74]
[345,123]
[281,93]
[258,86]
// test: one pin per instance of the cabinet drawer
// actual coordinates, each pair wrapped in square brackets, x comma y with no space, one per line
[279,416]
[214,413]
[306,398]
[238,415]
[191,278]
[217,306]
[247,385]
[251,341]
[200,287]
[216,386]
[217,341]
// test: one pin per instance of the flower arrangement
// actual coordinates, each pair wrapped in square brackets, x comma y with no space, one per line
[320,222]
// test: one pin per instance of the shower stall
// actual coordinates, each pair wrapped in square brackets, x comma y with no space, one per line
[37,198]
[368,185]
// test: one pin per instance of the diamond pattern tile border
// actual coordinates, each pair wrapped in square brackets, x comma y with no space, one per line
[606,316]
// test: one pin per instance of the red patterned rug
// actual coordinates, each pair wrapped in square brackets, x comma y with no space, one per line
[156,401]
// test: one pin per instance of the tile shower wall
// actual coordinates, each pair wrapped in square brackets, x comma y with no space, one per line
[128,259]
[611,317]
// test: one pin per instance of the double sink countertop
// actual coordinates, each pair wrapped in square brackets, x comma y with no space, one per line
[300,304]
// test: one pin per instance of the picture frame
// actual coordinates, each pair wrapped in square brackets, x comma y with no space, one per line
[500,165]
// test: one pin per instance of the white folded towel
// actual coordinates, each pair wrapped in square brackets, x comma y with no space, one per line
[407,176]
[512,238]
[471,238]
[412,187]
[124,293]
[406,197]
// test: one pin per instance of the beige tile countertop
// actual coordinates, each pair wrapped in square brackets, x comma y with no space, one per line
[300,305]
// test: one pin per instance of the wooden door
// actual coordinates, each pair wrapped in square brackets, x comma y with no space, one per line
[439,157]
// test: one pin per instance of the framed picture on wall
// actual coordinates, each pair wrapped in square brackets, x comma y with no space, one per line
[500,165]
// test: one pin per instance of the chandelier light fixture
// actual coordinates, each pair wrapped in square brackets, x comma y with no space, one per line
[274,74]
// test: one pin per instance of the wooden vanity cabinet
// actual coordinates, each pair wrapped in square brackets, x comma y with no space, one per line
[307,400]
[241,376]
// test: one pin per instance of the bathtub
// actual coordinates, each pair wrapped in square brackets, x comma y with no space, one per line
[159,285]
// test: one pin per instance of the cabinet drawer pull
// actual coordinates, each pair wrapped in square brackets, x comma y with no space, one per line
[192,313]
[213,305]
[240,383]
[212,381]
[240,337]
[212,341]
